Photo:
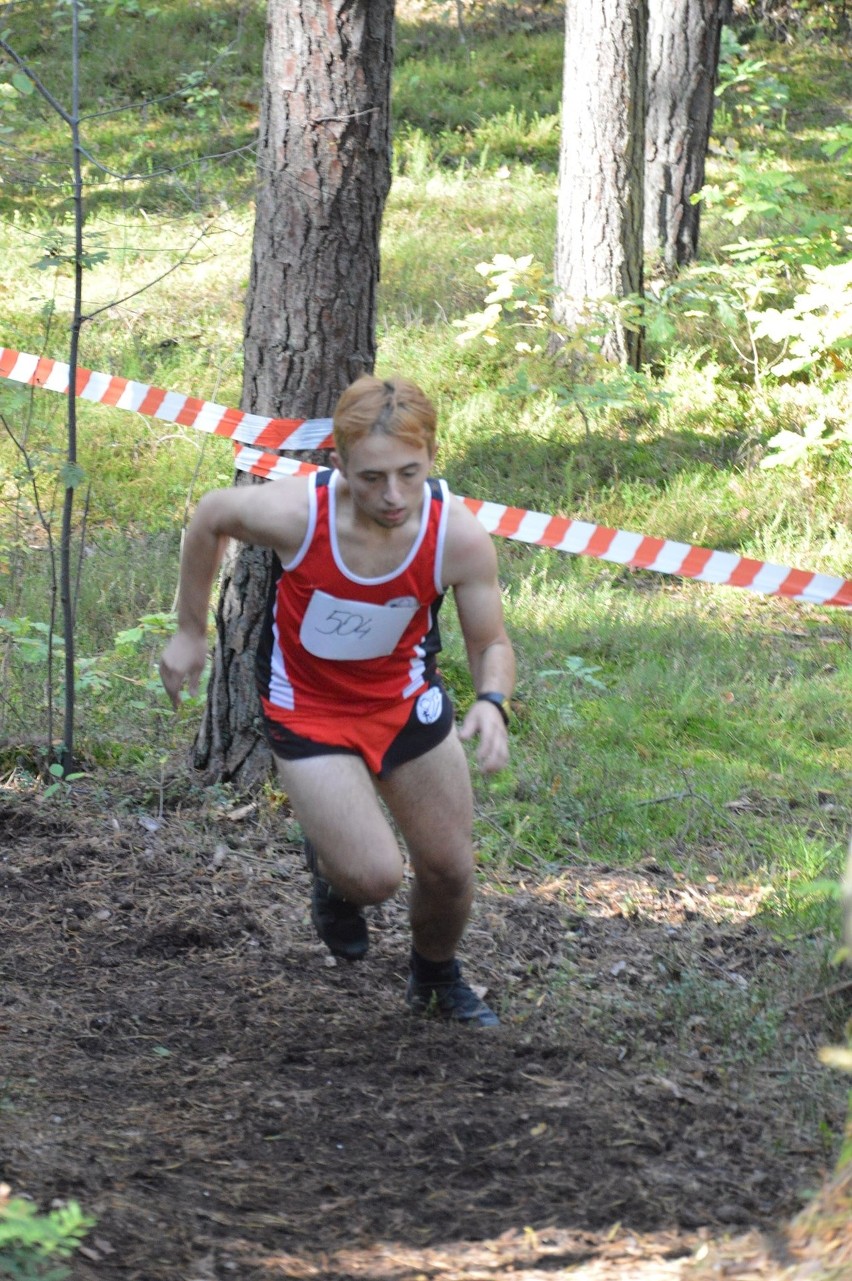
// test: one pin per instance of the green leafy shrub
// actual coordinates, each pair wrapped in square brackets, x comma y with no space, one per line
[573,370]
[30,1242]
[816,327]
[748,92]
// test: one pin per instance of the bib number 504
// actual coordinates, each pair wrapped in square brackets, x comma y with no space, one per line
[341,622]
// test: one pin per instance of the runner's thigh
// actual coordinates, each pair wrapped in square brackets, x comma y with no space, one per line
[432,802]
[335,801]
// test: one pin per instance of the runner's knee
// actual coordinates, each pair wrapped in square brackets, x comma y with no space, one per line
[366,878]
[448,873]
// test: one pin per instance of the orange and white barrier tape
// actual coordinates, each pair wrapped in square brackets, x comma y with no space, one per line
[254,436]
[636,551]
[170,406]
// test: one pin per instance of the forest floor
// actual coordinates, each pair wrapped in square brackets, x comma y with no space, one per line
[183,1058]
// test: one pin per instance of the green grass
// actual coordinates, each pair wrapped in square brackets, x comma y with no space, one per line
[144,115]
[687,714]
[720,741]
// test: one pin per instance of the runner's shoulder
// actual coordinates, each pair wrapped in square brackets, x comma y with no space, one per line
[469,551]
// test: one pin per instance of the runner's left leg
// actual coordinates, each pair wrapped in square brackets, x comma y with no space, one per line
[431,800]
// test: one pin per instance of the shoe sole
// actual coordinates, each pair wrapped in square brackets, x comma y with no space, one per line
[484,1017]
[449,1021]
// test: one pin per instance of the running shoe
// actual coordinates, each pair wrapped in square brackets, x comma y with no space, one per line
[342,926]
[454,1001]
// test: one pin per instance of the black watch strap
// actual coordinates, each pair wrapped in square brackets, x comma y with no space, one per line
[500,701]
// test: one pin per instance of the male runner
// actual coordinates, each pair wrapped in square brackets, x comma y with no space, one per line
[352,702]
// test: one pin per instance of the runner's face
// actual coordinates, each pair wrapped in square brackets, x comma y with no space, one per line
[385,478]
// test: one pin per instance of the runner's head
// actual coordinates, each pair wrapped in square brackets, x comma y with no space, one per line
[390,407]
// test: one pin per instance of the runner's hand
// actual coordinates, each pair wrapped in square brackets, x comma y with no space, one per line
[183,662]
[485,722]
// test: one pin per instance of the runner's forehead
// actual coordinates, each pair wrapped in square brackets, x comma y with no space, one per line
[380,453]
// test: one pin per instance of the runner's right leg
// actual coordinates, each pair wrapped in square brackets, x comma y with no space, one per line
[335,801]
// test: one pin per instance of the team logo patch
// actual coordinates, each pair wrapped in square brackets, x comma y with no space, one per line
[429,706]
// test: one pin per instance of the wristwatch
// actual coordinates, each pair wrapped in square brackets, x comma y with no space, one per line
[500,701]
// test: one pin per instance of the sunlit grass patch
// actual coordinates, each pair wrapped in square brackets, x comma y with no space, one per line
[439,226]
[646,718]
[142,112]
[457,87]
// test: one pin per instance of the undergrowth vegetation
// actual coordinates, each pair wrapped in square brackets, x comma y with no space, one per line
[704,727]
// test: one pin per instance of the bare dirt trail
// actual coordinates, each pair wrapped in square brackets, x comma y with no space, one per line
[178,1055]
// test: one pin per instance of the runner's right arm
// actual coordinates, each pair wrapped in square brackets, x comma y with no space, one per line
[271,515]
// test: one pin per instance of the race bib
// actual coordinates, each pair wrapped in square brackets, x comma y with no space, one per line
[353,629]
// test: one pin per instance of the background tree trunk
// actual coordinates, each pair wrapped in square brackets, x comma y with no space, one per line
[847,902]
[601,160]
[323,177]
[683,60]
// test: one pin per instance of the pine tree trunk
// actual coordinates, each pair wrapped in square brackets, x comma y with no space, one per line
[847,903]
[601,190]
[323,177]
[683,60]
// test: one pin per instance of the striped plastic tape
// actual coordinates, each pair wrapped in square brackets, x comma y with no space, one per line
[636,551]
[171,406]
[254,436]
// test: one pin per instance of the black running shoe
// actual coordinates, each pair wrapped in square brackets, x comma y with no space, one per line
[454,1001]
[342,926]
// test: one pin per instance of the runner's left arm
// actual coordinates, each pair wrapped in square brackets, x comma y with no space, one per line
[470,567]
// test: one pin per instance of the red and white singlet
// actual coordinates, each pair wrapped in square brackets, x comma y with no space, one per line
[336,645]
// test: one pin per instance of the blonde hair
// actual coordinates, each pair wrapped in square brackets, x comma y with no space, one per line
[391,406]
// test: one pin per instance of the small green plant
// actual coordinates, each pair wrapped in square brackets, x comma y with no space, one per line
[570,366]
[151,627]
[816,328]
[560,687]
[820,437]
[57,251]
[577,670]
[120,676]
[748,94]
[840,141]
[31,1242]
[31,640]
[61,782]
[753,191]
[200,97]
[18,86]
[519,295]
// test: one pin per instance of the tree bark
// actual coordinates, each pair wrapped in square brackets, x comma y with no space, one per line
[601,160]
[847,904]
[323,178]
[683,61]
